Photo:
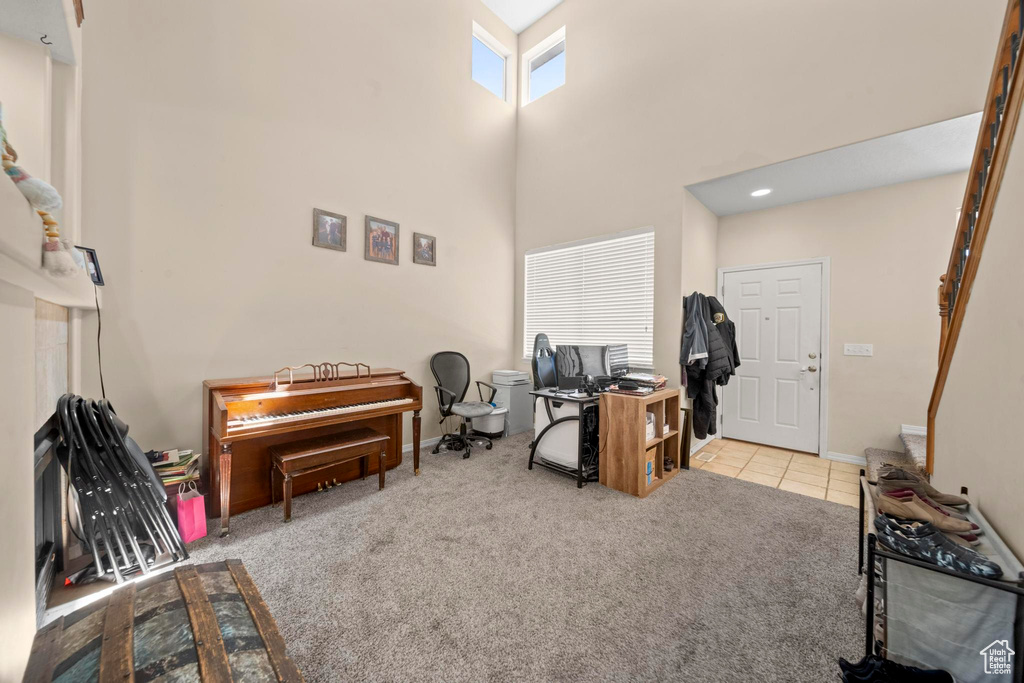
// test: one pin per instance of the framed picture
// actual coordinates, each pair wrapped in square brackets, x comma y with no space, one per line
[92,264]
[330,230]
[424,249]
[381,241]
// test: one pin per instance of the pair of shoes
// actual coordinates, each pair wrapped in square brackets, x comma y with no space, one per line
[890,477]
[907,495]
[899,488]
[914,508]
[926,543]
[959,539]
[874,668]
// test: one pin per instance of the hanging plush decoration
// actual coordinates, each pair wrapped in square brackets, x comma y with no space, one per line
[60,257]
[41,195]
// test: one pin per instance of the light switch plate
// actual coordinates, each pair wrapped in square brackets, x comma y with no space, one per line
[858,350]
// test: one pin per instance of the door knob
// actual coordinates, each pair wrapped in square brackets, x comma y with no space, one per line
[812,356]
[813,368]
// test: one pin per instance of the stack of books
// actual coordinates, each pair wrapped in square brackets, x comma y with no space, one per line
[175,466]
[630,389]
[654,382]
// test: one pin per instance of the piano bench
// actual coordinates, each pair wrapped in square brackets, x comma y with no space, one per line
[297,458]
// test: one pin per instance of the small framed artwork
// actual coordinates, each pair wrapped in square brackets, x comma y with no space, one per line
[424,249]
[381,241]
[92,265]
[330,230]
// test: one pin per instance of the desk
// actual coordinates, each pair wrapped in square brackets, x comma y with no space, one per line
[587,443]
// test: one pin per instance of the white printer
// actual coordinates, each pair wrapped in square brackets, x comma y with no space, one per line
[514,394]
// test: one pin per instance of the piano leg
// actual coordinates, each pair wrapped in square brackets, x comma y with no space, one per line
[288,497]
[416,442]
[225,487]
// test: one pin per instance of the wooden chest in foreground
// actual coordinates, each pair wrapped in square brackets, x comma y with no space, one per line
[196,623]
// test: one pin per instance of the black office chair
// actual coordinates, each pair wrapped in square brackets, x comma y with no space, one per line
[543,362]
[451,371]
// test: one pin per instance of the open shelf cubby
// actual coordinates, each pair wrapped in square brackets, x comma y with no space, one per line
[625,448]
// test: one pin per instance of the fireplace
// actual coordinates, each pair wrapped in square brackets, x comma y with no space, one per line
[51,382]
[49,515]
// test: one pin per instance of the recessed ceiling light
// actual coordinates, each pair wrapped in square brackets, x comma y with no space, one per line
[762,192]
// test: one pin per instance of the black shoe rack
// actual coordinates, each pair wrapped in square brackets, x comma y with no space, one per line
[874,558]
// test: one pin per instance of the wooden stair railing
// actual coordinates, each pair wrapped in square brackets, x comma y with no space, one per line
[999,124]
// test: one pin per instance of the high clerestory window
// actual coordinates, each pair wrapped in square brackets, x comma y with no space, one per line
[544,67]
[491,63]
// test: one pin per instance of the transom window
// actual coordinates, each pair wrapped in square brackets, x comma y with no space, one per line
[598,291]
[544,67]
[490,62]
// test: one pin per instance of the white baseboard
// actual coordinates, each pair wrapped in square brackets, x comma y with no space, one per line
[911,429]
[424,445]
[843,457]
[694,447]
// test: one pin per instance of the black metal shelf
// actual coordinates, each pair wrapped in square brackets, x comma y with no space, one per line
[876,551]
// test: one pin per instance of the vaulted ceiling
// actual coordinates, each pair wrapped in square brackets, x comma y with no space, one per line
[519,14]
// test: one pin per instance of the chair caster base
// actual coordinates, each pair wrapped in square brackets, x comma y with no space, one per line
[488,446]
[465,455]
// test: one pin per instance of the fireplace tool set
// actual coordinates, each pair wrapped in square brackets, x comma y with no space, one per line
[120,501]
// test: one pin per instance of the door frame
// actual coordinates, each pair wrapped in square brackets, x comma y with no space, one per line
[826,319]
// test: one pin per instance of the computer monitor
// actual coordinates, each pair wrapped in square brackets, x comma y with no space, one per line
[576,361]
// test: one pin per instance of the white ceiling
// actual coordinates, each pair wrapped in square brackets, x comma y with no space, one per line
[925,152]
[520,14]
[32,19]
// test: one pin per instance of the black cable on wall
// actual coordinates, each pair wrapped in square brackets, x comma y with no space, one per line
[99,330]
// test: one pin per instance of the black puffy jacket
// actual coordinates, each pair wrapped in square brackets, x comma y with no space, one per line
[727,358]
[719,356]
[721,364]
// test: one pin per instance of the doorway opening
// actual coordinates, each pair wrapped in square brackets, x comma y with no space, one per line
[779,396]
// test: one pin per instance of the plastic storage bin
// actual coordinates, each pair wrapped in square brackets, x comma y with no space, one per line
[492,425]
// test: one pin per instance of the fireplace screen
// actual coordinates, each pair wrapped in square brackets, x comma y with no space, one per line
[49,513]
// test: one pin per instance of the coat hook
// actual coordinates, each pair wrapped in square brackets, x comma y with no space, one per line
[43,40]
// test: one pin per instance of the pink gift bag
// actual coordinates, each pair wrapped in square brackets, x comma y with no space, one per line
[191,513]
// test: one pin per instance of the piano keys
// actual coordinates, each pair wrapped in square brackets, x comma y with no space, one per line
[250,421]
[243,418]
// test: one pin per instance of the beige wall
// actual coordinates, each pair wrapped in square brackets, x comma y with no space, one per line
[25,99]
[17,425]
[660,94]
[698,271]
[25,96]
[977,429]
[211,130]
[39,102]
[887,247]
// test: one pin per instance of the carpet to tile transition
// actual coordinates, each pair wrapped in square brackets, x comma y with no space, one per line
[481,570]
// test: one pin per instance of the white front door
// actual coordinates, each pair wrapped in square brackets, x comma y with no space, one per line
[774,397]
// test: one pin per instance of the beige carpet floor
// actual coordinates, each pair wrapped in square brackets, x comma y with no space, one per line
[481,570]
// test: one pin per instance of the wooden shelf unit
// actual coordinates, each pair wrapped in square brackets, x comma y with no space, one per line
[625,448]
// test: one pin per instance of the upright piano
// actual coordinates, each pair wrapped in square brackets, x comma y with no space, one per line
[243,418]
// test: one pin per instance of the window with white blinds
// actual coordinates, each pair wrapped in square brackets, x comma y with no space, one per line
[595,292]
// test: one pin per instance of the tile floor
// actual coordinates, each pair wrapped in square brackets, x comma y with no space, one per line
[787,470]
